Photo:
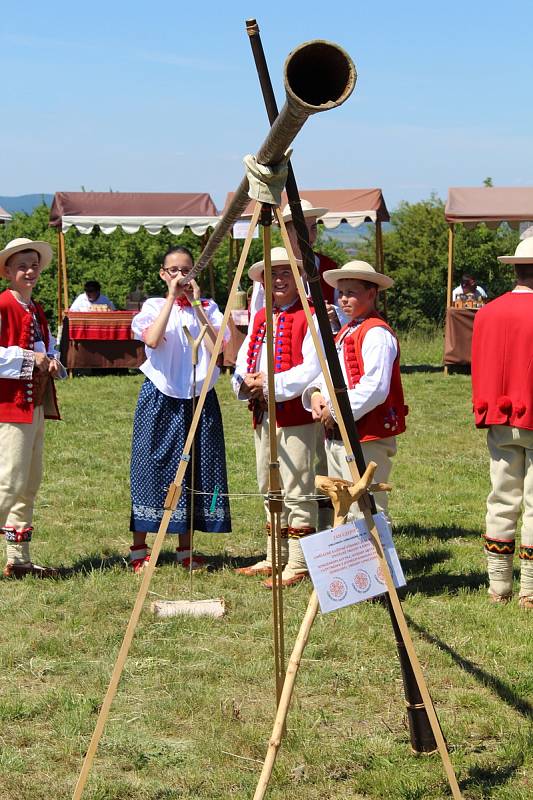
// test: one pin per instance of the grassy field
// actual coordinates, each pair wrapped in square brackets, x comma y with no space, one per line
[196,703]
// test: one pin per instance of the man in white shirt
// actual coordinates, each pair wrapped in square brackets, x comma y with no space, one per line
[469,286]
[91,297]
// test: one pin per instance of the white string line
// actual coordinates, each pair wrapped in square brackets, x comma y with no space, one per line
[258,494]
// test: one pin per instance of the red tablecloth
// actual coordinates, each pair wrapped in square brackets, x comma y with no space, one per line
[100,325]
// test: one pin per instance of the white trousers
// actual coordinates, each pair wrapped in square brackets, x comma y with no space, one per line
[296,455]
[21,468]
[381,451]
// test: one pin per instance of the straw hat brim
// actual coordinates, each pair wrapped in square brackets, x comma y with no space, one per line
[333,276]
[255,273]
[43,248]
[516,259]
[307,212]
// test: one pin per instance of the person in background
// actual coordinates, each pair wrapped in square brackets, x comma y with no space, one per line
[502,396]
[296,363]
[28,364]
[469,286]
[164,414]
[91,297]
[369,356]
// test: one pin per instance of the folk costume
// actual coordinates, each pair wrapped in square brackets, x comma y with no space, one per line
[369,356]
[27,398]
[295,364]
[161,424]
[502,393]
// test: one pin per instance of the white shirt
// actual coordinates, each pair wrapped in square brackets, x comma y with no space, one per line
[12,357]
[379,350]
[82,303]
[288,384]
[169,365]
[479,294]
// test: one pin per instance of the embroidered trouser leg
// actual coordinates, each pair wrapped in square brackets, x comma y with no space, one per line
[511,474]
[381,451]
[21,446]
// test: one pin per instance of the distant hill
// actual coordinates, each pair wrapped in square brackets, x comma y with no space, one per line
[25,202]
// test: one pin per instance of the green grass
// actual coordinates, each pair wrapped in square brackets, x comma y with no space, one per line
[195,707]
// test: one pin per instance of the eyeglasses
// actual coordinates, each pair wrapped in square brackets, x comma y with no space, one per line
[176,271]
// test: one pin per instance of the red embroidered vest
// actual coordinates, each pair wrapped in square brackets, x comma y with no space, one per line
[290,332]
[502,364]
[387,419]
[17,397]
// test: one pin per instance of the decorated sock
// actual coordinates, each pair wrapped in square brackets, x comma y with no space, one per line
[18,553]
[296,563]
[500,569]
[526,571]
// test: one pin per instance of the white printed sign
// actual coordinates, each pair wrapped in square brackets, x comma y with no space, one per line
[241,228]
[344,566]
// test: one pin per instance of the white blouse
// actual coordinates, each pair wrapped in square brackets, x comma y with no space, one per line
[169,365]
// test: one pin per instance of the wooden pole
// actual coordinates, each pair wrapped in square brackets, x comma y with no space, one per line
[171,502]
[274,484]
[59,281]
[380,262]
[64,271]
[451,237]
[449,285]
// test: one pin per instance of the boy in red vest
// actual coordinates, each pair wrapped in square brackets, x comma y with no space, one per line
[27,397]
[369,355]
[296,364]
[502,390]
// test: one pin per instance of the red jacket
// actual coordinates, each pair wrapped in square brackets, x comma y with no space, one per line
[17,396]
[502,362]
[325,264]
[387,419]
[290,332]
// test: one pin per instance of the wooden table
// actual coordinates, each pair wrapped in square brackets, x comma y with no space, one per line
[100,340]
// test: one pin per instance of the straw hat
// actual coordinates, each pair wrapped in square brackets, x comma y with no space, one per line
[17,245]
[278,256]
[522,255]
[358,270]
[308,211]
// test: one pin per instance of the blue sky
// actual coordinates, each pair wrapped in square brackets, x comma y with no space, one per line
[163,96]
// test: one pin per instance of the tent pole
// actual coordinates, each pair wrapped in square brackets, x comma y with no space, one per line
[64,270]
[59,281]
[450,264]
[450,274]
[380,262]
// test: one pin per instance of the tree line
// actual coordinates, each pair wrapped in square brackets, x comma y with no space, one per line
[415,250]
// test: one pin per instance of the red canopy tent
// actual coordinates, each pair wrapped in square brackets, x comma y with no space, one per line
[129,211]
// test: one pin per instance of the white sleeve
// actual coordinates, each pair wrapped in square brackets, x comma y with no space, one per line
[78,304]
[257,302]
[379,351]
[456,292]
[11,362]
[241,368]
[147,315]
[215,317]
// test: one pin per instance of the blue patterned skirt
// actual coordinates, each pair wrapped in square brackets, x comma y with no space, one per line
[160,428]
